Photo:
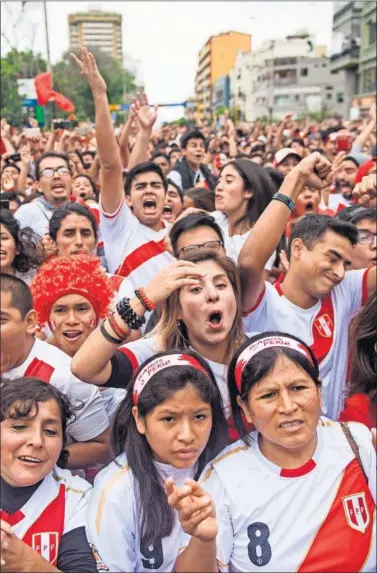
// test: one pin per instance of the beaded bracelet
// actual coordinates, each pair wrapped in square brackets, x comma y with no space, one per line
[127,313]
[145,301]
[108,336]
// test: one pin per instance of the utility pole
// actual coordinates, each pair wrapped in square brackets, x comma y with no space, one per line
[49,67]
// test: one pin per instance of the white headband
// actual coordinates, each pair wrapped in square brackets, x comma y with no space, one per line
[270,342]
[160,364]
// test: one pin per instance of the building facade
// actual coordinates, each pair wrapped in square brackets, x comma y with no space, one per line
[286,75]
[354,51]
[98,29]
[215,60]
[221,93]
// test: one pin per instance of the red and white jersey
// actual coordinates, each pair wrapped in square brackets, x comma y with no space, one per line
[132,250]
[113,521]
[320,517]
[323,327]
[50,364]
[59,505]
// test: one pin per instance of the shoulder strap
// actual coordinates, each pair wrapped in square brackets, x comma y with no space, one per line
[353,445]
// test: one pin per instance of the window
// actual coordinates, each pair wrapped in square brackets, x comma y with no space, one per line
[369,80]
[328,96]
[340,97]
[372,32]
[304,72]
[297,97]
[324,65]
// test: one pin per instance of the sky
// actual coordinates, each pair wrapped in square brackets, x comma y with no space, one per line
[161,40]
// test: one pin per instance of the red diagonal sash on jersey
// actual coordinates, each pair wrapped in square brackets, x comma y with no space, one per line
[46,532]
[12,518]
[39,369]
[344,539]
[139,256]
[323,327]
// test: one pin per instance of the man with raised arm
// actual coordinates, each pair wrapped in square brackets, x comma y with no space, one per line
[319,295]
[131,218]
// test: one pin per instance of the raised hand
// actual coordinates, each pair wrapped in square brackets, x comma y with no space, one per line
[88,67]
[146,116]
[365,192]
[315,170]
[26,157]
[195,508]
[177,275]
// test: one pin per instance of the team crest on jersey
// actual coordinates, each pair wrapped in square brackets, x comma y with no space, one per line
[356,510]
[101,566]
[324,325]
[46,544]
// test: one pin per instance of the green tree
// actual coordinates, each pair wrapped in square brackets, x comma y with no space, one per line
[17,65]
[68,80]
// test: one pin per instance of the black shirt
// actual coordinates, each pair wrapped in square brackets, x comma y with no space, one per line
[75,555]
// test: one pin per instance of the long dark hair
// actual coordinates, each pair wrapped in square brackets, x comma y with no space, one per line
[363,353]
[256,179]
[157,518]
[260,366]
[21,395]
[27,243]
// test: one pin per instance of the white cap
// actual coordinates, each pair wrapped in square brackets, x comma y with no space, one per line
[283,153]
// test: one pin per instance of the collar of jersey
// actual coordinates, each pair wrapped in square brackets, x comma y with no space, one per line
[179,475]
[303,470]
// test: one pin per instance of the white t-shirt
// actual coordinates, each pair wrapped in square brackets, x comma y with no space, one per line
[323,327]
[320,517]
[113,521]
[234,244]
[132,250]
[50,364]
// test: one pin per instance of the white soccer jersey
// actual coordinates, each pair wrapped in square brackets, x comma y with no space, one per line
[323,327]
[59,505]
[234,243]
[320,517]
[50,364]
[113,523]
[132,250]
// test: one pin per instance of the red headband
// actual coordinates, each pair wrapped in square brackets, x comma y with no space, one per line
[160,364]
[270,342]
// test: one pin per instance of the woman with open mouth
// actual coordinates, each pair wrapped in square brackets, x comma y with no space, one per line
[170,425]
[43,507]
[200,309]
[298,494]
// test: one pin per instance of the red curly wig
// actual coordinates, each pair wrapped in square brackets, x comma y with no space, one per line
[61,276]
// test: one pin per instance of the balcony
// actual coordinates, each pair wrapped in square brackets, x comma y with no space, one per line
[347,59]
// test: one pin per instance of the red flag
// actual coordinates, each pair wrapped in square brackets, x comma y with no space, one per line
[45,93]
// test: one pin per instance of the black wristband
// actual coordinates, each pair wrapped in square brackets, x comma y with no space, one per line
[129,316]
[284,199]
[108,336]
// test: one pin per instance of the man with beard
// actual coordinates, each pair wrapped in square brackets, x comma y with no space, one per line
[345,180]
[54,176]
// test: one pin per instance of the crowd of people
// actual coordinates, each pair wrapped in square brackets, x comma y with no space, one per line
[188,344]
